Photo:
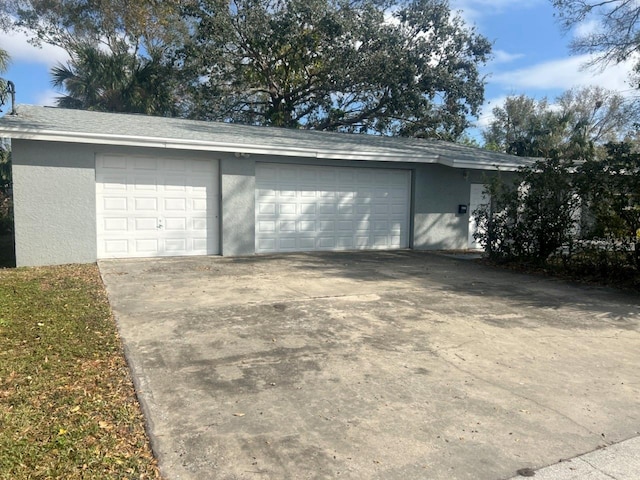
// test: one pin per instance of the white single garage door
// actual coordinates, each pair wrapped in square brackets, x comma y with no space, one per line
[151,207]
[301,207]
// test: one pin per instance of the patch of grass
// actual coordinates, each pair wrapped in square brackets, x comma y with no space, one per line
[67,404]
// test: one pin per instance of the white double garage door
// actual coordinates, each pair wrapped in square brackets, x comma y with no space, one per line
[149,207]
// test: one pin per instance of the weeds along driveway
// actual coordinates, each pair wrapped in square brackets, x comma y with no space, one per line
[399,365]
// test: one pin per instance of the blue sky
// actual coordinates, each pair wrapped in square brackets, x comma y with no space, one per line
[531,56]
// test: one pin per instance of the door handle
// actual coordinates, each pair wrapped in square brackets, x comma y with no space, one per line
[160,224]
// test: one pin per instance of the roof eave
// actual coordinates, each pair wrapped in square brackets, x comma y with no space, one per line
[177,144]
[479,164]
[251,149]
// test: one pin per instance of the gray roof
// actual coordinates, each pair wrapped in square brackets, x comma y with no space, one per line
[79,126]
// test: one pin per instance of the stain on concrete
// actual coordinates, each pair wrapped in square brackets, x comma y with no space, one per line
[383,365]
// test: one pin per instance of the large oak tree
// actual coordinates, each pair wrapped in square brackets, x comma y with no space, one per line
[347,65]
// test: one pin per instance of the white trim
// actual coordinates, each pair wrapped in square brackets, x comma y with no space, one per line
[176,144]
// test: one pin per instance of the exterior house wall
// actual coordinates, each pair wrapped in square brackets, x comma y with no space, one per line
[54,187]
[438,190]
[55,195]
[54,203]
[437,193]
[238,185]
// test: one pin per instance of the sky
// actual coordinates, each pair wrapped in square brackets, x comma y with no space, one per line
[531,56]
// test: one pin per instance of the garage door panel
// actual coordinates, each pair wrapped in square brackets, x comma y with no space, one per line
[266,226]
[178,186]
[144,163]
[114,183]
[306,226]
[145,204]
[288,243]
[266,208]
[330,207]
[200,224]
[116,247]
[200,205]
[175,204]
[146,224]
[288,226]
[155,207]
[110,163]
[178,224]
[172,165]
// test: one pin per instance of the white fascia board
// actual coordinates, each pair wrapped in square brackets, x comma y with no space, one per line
[177,144]
[476,165]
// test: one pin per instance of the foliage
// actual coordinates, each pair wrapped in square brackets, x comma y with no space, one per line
[408,67]
[115,82]
[576,127]
[119,50]
[342,65]
[4,65]
[4,60]
[614,35]
[531,218]
[525,127]
[146,24]
[581,219]
[611,188]
[6,202]
[67,405]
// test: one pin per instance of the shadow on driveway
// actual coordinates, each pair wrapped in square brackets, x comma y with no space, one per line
[388,365]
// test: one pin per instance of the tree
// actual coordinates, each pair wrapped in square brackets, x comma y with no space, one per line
[616,36]
[576,126]
[4,60]
[115,82]
[525,127]
[335,65]
[146,24]
[611,188]
[532,217]
[596,116]
[120,50]
[4,65]
[6,204]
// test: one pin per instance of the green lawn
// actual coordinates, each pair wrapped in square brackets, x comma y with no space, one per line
[67,405]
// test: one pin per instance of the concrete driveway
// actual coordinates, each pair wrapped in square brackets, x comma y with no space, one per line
[401,365]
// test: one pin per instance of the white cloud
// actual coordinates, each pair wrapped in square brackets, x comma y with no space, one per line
[586,28]
[47,98]
[500,56]
[20,50]
[564,74]
[472,10]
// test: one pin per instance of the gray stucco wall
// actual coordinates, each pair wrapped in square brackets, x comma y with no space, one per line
[238,184]
[55,198]
[55,211]
[438,190]
[54,203]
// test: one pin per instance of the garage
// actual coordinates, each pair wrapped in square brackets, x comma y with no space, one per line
[93,185]
[304,208]
[153,207]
